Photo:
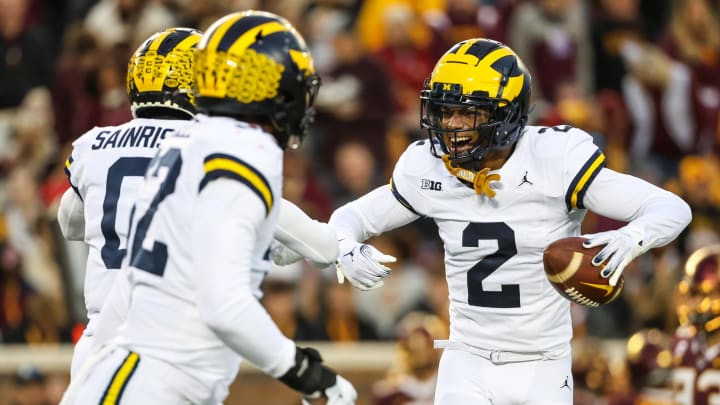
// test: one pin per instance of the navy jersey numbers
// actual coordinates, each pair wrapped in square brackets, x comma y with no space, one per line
[165,169]
[509,295]
[124,167]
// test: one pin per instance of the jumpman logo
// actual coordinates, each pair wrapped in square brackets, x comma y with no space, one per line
[565,384]
[525,180]
[350,253]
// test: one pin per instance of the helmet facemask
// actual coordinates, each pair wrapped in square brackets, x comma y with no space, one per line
[485,126]
[292,115]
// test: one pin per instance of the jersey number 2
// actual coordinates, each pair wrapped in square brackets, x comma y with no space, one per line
[509,294]
[164,168]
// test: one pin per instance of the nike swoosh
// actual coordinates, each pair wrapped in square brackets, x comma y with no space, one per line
[608,289]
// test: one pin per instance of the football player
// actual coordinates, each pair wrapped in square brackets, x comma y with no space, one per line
[107,164]
[648,360]
[201,228]
[106,168]
[500,191]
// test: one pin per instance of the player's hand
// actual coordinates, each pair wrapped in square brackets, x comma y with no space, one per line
[362,265]
[621,247]
[342,393]
[315,381]
[283,255]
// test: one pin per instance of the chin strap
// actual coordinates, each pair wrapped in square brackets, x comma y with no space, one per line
[479,180]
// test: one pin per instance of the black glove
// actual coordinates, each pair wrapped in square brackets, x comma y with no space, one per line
[309,375]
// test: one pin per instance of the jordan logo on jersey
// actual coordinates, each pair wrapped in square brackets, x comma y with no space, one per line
[426,184]
[566,384]
[525,180]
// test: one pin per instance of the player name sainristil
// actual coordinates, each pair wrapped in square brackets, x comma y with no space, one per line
[131,137]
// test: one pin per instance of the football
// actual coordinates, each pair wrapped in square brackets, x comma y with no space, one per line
[568,268]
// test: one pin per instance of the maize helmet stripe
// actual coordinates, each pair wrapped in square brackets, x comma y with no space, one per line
[464,48]
[160,73]
[178,40]
[155,43]
[162,45]
[248,37]
[480,49]
[480,73]
[247,66]
[217,31]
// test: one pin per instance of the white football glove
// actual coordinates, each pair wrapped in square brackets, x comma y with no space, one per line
[342,393]
[283,255]
[362,265]
[621,247]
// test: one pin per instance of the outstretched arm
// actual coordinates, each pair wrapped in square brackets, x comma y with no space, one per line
[297,236]
[372,214]
[359,220]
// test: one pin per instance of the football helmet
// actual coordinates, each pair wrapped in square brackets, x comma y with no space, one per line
[699,290]
[160,75]
[649,359]
[254,65]
[489,84]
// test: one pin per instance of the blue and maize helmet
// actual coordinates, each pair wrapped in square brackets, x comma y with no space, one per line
[254,65]
[478,74]
[160,75]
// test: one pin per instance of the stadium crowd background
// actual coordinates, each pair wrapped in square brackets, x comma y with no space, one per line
[642,76]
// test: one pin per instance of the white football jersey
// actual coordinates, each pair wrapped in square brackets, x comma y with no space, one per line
[105,168]
[164,320]
[500,298]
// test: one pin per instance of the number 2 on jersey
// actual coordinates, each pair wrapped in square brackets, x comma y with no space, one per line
[165,169]
[509,295]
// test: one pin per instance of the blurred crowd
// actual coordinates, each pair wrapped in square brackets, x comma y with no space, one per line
[642,76]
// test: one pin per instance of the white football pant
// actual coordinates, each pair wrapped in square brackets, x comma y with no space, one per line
[122,377]
[466,378]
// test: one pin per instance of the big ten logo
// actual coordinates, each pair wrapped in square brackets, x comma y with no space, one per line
[426,184]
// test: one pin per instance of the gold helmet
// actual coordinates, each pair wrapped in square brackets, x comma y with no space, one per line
[255,65]
[699,290]
[487,78]
[160,75]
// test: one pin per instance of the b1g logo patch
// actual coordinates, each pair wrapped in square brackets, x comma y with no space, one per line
[426,184]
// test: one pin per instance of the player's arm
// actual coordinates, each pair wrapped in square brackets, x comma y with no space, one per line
[297,236]
[223,236]
[71,216]
[655,218]
[370,215]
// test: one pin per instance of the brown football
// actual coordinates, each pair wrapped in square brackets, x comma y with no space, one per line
[568,268]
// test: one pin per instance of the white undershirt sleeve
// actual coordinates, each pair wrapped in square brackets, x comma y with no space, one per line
[657,216]
[370,215]
[71,216]
[309,238]
[225,223]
